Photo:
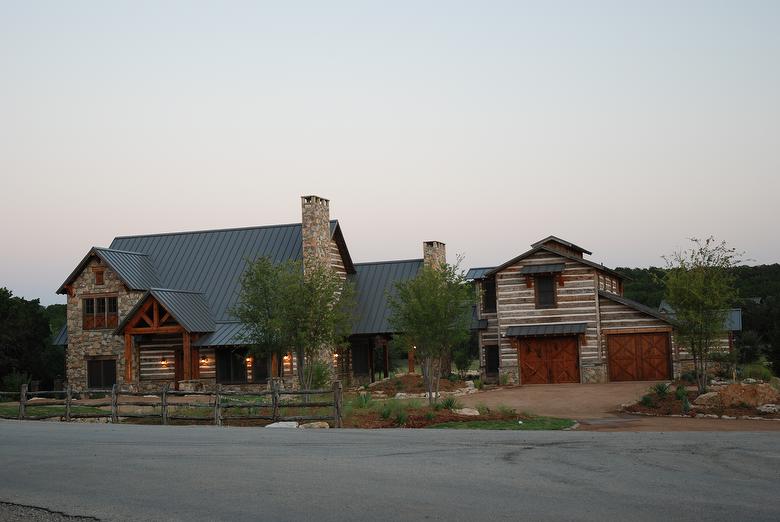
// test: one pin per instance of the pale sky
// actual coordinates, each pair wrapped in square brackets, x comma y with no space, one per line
[624,127]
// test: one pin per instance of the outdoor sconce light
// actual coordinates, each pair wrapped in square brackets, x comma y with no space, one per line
[287,358]
[203,359]
[164,361]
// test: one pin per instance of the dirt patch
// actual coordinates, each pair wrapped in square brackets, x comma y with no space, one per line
[412,384]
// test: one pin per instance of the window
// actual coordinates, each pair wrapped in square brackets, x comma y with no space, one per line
[545,291]
[231,366]
[99,313]
[98,276]
[101,373]
[489,295]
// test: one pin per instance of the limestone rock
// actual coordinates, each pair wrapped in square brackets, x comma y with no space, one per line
[315,425]
[769,408]
[708,399]
[284,424]
[466,411]
[750,394]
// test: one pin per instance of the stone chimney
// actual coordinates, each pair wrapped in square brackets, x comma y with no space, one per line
[434,254]
[315,231]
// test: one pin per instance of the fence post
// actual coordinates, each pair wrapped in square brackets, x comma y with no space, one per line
[68,400]
[22,401]
[274,400]
[164,404]
[114,405]
[217,408]
[337,420]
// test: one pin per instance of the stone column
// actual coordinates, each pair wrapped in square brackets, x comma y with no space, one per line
[434,254]
[315,231]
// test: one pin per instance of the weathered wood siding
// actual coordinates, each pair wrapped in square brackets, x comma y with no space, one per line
[336,261]
[576,303]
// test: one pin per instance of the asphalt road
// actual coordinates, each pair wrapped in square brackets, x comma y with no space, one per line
[125,472]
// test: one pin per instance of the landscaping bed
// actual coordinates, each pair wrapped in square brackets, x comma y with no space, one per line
[412,383]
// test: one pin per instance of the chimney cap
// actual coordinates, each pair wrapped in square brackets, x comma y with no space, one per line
[432,243]
[314,198]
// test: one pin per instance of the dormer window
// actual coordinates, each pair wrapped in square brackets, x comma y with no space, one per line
[545,291]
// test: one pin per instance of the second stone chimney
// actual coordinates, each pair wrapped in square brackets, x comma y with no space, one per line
[434,254]
[315,231]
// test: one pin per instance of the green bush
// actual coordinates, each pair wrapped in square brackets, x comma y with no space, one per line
[385,411]
[401,417]
[754,371]
[680,393]
[647,401]
[429,415]
[450,403]
[506,410]
[478,384]
[462,359]
[320,374]
[686,405]
[688,377]
[504,379]
[661,389]
[362,401]
[482,409]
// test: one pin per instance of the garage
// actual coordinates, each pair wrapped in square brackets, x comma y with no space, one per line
[548,360]
[639,356]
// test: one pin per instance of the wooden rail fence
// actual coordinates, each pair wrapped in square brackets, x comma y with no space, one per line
[224,405]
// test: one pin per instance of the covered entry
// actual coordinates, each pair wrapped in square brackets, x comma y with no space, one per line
[547,354]
[639,356]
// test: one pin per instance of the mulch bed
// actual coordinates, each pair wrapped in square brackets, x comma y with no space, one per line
[417,418]
[670,405]
[412,384]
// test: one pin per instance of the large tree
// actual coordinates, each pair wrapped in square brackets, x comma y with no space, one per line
[700,288]
[286,310]
[433,312]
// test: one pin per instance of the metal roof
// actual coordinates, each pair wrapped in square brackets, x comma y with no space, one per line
[732,323]
[562,242]
[134,269]
[477,273]
[535,330]
[224,334]
[543,269]
[61,339]
[374,282]
[189,309]
[476,323]
[541,248]
[633,304]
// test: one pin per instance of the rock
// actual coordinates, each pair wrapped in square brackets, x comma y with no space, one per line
[315,425]
[727,417]
[469,384]
[769,408]
[402,395]
[708,400]
[749,380]
[285,424]
[750,394]
[466,411]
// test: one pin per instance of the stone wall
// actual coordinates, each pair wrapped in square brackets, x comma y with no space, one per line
[83,344]
[315,232]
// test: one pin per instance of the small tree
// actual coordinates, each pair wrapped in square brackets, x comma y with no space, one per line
[700,288]
[433,311]
[284,310]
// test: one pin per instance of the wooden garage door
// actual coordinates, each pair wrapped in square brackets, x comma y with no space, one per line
[638,357]
[548,360]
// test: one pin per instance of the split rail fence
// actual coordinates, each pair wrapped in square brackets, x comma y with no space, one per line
[222,405]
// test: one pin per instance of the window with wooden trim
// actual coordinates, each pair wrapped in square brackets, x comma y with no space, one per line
[99,313]
[98,276]
[101,373]
[489,295]
[544,286]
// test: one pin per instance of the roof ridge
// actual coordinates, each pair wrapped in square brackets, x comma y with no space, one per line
[120,251]
[210,230]
[176,290]
[388,262]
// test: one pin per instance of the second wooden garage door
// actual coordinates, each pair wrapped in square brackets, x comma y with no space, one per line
[548,360]
[638,357]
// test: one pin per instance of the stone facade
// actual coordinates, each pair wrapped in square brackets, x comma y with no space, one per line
[86,344]
[434,254]
[315,232]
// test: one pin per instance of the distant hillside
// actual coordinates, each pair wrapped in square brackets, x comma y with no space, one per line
[645,285]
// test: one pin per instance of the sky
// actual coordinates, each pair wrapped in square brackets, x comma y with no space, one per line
[624,127]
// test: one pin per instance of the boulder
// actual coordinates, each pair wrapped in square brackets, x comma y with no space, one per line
[750,394]
[708,400]
[769,408]
[466,411]
[284,424]
[469,384]
[315,425]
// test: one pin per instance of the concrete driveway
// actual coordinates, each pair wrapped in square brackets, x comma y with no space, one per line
[573,401]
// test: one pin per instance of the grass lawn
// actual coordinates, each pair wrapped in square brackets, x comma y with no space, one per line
[7,410]
[534,423]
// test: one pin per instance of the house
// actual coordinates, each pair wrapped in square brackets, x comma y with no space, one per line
[551,315]
[155,309]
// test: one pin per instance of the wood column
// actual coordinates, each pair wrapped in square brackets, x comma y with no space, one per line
[410,356]
[187,362]
[387,358]
[195,362]
[274,365]
[128,358]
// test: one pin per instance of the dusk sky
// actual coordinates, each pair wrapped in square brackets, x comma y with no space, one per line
[624,127]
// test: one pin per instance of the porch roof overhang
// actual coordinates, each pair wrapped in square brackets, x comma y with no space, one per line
[189,309]
[543,269]
[541,330]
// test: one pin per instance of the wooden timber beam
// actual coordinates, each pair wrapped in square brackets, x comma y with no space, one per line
[159,330]
[128,358]
[187,349]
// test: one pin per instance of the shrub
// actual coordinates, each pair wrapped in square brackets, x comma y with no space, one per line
[686,405]
[320,374]
[398,384]
[688,377]
[429,415]
[478,384]
[362,401]
[661,389]
[401,417]
[450,403]
[13,381]
[506,410]
[680,393]
[462,359]
[754,371]
[452,377]
[414,404]
[386,411]
[482,409]
[503,379]
[647,401]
